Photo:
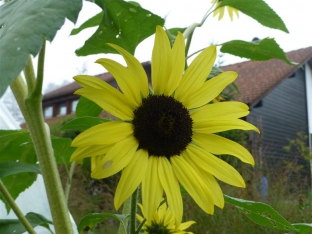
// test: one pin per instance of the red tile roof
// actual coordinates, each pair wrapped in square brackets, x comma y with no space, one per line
[72,87]
[256,79]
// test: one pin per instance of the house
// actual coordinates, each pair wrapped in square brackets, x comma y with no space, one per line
[280,101]
[279,96]
[61,103]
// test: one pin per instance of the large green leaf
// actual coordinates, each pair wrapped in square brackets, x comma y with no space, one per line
[24,25]
[260,50]
[16,227]
[83,123]
[85,107]
[92,22]
[123,24]
[17,145]
[62,150]
[258,10]
[260,213]
[90,220]
[11,168]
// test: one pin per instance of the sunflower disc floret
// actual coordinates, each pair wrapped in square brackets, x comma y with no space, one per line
[162,126]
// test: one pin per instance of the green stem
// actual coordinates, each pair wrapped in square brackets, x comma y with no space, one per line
[7,196]
[69,180]
[187,46]
[30,74]
[32,109]
[140,226]
[44,151]
[19,90]
[125,211]
[134,200]
[36,92]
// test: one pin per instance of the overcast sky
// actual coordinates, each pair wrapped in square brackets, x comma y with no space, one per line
[62,63]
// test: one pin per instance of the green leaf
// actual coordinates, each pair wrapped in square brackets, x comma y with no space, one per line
[92,22]
[16,184]
[90,220]
[11,168]
[261,50]
[173,33]
[16,227]
[85,107]
[304,228]
[258,10]
[62,150]
[260,213]
[24,25]
[123,24]
[83,123]
[17,145]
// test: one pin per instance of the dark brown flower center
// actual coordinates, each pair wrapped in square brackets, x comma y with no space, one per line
[162,126]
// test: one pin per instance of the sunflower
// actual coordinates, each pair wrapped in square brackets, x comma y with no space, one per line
[221,10]
[166,135]
[163,222]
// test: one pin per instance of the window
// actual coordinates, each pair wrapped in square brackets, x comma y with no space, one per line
[74,105]
[62,110]
[48,112]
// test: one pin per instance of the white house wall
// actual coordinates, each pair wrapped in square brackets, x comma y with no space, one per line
[308,76]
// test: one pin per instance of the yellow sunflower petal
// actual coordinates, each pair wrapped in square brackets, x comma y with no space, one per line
[171,186]
[111,100]
[116,158]
[178,64]
[196,74]
[214,188]
[161,61]
[103,134]
[221,11]
[209,90]
[87,81]
[220,145]
[192,183]
[186,225]
[213,126]
[95,160]
[127,83]
[214,165]
[152,190]
[89,151]
[161,212]
[131,177]
[170,220]
[230,13]
[217,193]
[236,12]
[140,218]
[135,68]
[220,110]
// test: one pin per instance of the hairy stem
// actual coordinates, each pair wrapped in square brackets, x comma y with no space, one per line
[30,74]
[32,110]
[134,200]
[125,211]
[69,180]
[7,196]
